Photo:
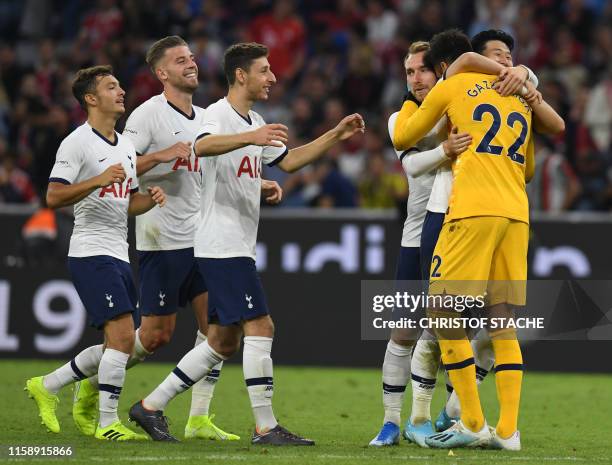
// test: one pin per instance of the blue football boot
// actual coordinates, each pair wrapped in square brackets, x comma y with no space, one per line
[418,433]
[389,435]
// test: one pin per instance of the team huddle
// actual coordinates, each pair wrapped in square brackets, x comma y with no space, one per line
[192,178]
[465,145]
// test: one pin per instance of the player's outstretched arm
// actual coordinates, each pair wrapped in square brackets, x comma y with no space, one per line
[142,203]
[547,120]
[208,145]
[62,195]
[301,156]
[149,161]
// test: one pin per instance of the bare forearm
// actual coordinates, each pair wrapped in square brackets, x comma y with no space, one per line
[61,195]
[146,162]
[547,120]
[212,145]
[301,156]
[473,62]
[139,204]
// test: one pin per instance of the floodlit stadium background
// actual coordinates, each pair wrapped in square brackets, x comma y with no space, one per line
[331,59]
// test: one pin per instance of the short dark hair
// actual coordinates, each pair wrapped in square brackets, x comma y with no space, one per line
[479,41]
[157,50]
[241,56]
[447,46]
[428,61]
[86,80]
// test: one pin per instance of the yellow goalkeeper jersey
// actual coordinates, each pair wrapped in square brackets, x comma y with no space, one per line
[489,177]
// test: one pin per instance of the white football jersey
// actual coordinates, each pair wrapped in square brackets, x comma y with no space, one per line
[419,187]
[153,126]
[101,218]
[442,185]
[441,189]
[231,189]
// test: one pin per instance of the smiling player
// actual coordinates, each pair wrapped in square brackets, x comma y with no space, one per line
[162,130]
[95,170]
[233,143]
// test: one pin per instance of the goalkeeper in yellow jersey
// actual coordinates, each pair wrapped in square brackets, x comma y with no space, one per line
[484,237]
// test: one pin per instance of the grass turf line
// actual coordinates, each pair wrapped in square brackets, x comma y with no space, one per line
[565,418]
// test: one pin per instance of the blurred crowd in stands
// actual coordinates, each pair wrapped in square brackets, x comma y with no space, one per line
[331,58]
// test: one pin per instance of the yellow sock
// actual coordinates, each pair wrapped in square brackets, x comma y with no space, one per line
[458,359]
[508,379]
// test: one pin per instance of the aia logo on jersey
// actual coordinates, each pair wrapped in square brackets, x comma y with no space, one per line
[252,168]
[117,190]
[186,164]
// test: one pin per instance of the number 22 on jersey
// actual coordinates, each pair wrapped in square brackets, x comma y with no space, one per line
[485,145]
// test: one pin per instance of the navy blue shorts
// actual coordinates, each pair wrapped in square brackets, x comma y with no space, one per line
[408,269]
[235,292]
[105,287]
[429,237]
[408,264]
[169,279]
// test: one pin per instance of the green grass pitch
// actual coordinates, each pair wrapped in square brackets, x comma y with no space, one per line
[565,418]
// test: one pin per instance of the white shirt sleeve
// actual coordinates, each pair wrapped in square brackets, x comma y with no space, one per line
[211,123]
[271,155]
[68,162]
[414,162]
[531,77]
[417,163]
[138,129]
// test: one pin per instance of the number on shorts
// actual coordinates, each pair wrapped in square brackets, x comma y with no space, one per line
[437,261]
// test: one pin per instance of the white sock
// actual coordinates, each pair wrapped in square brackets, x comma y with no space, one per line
[80,367]
[138,356]
[484,359]
[424,367]
[111,374]
[202,391]
[193,366]
[258,375]
[395,375]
